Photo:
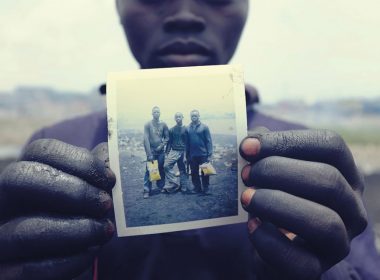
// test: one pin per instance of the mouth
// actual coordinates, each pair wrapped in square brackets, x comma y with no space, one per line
[179,53]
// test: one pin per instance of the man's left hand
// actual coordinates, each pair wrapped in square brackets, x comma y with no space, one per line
[304,203]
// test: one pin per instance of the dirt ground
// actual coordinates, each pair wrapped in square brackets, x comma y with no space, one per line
[164,208]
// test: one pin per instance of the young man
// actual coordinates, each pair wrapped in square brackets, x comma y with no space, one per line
[199,151]
[175,154]
[307,196]
[156,136]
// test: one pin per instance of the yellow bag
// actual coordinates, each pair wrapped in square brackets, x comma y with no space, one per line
[208,169]
[154,173]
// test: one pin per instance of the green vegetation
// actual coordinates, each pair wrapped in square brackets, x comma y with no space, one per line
[366,135]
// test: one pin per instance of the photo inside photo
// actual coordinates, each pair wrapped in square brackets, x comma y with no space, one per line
[173,142]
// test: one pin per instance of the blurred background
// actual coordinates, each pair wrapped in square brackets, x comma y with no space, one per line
[316,63]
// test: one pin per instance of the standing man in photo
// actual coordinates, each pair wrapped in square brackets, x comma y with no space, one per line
[199,151]
[175,151]
[156,136]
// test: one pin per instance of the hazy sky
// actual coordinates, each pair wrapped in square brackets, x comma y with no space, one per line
[211,94]
[290,48]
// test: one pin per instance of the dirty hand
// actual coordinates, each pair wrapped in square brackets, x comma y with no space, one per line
[52,207]
[305,202]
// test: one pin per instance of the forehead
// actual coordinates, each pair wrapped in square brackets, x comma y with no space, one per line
[179,115]
[155,110]
[194,113]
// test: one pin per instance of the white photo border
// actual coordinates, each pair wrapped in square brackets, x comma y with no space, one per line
[236,74]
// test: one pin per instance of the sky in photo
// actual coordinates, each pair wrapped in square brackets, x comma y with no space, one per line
[290,48]
[212,95]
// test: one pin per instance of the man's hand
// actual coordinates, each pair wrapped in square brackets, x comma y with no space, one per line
[52,208]
[149,158]
[304,202]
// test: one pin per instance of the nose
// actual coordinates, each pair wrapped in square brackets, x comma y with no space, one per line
[184,17]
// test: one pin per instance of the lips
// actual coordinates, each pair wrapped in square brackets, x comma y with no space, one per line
[184,53]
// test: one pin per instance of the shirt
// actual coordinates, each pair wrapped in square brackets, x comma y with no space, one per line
[177,138]
[156,136]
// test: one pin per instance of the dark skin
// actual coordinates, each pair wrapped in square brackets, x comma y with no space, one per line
[54,200]
[182,33]
[299,177]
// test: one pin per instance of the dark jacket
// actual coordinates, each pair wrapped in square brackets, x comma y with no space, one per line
[199,143]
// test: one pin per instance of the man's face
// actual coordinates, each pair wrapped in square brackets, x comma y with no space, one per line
[178,118]
[194,115]
[174,33]
[156,113]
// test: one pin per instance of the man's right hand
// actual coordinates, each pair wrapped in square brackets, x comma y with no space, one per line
[53,203]
[149,158]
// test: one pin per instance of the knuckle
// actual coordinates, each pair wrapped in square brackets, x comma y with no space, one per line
[361,223]
[16,173]
[336,236]
[335,181]
[39,147]
[268,171]
[333,225]
[263,168]
[336,141]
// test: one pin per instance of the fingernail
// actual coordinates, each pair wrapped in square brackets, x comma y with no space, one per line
[109,229]
[288,234]
[105,200]
[250,146]
[245,174]
[110,176]
[253,224]
[246,197]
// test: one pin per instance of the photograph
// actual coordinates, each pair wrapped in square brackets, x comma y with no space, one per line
[173,141]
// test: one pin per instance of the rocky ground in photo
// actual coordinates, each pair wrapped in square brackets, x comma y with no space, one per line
[163,208]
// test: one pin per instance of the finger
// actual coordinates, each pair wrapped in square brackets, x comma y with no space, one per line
[38,187]
[40,236]
[285,256]
[101,153]
[70,159]
[253,223]
[47,269]
[318,182]
[311,145]
[250,146]
[318,225]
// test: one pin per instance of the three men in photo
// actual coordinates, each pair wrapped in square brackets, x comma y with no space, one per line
[193,141]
